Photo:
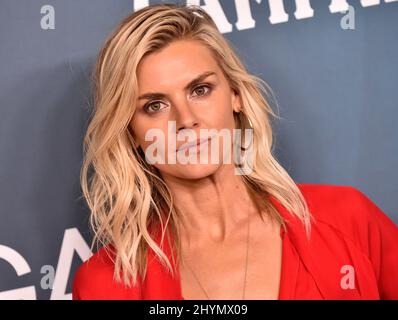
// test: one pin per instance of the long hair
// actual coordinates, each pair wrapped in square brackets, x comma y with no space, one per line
[127,196]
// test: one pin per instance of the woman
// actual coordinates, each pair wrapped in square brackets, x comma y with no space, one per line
[219,229]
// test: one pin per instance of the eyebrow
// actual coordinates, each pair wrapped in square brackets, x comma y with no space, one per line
[159,95]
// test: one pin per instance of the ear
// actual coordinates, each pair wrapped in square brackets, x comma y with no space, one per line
[235,100]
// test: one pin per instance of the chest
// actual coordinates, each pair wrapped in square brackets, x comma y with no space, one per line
[220,270]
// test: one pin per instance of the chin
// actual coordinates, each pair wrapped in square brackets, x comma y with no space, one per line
[195,171]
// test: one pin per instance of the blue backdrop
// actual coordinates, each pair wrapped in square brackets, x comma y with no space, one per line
[334,73]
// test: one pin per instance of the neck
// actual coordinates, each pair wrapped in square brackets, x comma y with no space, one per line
[212,208]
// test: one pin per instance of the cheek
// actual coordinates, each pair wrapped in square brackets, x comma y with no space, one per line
[138,132]
[218,113]
[156,131]
[139,127]
[224,117]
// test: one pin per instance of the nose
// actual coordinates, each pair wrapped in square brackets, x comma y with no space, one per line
[184,116]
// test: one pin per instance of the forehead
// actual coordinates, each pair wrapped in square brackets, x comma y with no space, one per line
[178,63]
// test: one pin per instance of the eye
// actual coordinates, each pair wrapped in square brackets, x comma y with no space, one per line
[202,89]
[153,107]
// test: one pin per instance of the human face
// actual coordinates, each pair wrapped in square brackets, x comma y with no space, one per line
[206,104]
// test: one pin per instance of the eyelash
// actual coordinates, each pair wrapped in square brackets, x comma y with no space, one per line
[207,85]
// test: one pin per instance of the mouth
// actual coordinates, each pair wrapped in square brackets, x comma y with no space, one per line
[195,144]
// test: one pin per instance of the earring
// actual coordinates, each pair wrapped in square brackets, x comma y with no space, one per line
[248,120]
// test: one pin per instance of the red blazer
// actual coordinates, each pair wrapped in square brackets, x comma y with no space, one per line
[352,254]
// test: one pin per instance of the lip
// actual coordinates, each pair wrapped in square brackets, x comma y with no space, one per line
[193,144]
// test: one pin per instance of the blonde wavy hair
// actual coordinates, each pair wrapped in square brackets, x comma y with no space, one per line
[127,196]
